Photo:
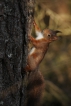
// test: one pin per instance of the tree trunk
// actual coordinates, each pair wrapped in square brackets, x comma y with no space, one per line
[15,24]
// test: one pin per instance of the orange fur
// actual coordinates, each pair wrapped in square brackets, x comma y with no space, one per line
[36,26]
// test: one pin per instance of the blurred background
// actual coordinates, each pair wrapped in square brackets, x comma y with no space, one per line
[56,66]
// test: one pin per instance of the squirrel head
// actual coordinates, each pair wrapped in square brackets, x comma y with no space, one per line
[50,35]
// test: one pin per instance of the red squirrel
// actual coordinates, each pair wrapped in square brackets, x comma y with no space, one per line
[41,43]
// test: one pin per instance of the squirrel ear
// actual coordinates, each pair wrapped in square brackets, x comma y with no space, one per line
[58,31]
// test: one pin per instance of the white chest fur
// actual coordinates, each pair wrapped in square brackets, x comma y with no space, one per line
[39,36]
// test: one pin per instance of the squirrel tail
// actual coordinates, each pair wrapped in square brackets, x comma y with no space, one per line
[35,88]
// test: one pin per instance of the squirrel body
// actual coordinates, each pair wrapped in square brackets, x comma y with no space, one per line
[41,43]
[40,47]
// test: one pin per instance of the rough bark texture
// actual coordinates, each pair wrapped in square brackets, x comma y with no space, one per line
[15,25]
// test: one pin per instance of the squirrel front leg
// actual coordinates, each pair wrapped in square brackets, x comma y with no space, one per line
[33,41]
[36,26]
[37,43]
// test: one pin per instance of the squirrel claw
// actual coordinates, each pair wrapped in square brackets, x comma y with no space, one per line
[34,23]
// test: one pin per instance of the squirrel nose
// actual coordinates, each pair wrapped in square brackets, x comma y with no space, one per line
[56,37]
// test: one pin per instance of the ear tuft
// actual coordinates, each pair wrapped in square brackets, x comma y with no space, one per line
[58,31]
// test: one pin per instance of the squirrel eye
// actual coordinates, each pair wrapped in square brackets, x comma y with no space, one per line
[49,35]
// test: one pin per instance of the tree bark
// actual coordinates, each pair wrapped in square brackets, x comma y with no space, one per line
[15,24]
